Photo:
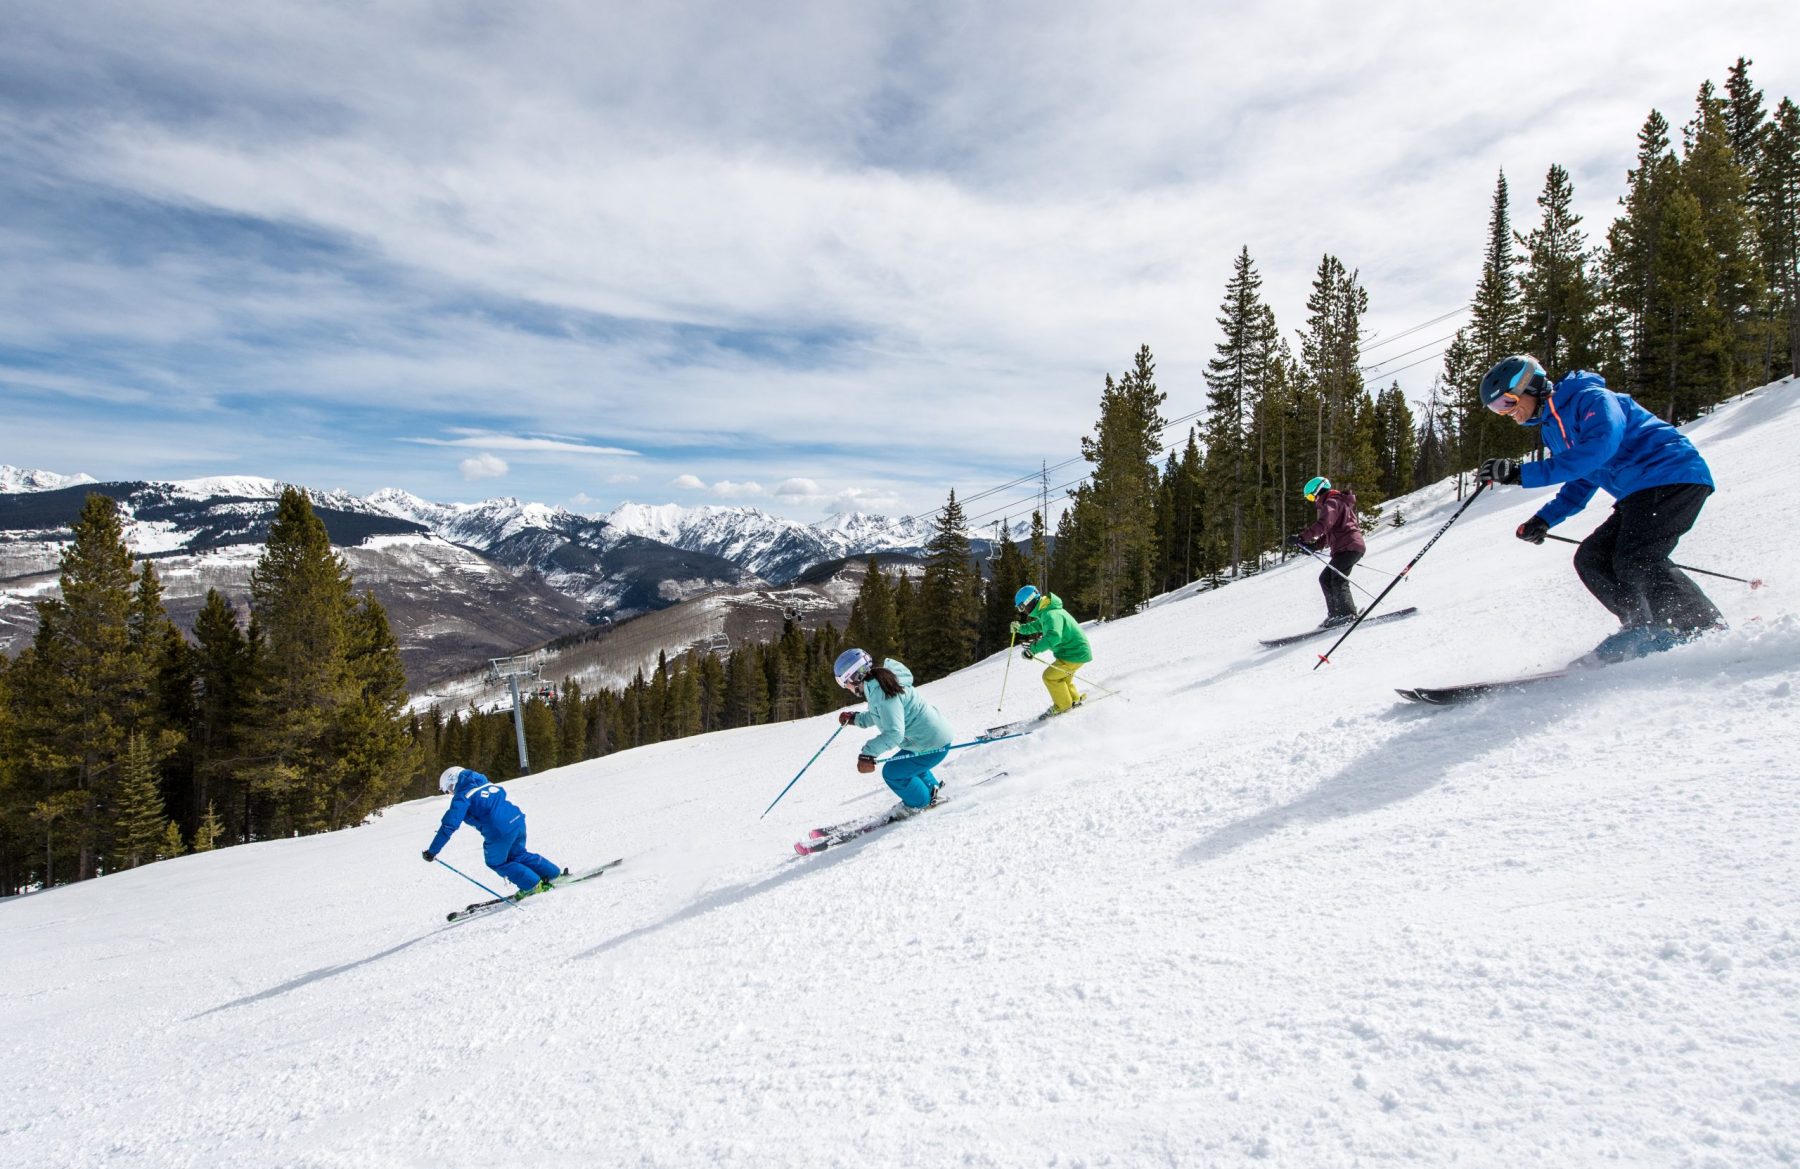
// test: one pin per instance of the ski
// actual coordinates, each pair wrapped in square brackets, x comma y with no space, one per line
[1297,638]
[820,839]
[567,878]
[1027,725]
[1469,692]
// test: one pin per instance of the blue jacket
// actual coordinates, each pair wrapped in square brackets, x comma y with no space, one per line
[1601,439]
[908,722]
[482,804]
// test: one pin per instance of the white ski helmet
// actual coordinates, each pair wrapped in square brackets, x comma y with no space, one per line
[851,667]
[447,781]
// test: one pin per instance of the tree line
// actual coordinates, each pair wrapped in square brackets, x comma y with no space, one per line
[123,741]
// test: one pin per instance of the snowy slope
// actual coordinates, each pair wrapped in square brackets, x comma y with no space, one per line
[13,479]
[1247,913]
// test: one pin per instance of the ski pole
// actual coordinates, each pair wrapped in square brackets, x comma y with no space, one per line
[1088,680]
[1755,584]
[1007,673]
[1325,657]
[479,885]
[1339,571]
[802,771]
[957,746]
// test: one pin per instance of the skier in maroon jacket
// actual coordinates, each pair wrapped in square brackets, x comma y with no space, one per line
[1337,529]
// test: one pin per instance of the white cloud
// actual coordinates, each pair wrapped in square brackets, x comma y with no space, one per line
[509,442]
[726,489]
[688,483]
[863,499]
[618,479]
[482,466]
[804,488]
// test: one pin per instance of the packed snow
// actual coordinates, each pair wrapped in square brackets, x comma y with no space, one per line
[1245,912]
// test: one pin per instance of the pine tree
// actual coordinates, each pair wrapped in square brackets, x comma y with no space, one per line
[945,625]
[1395,447]
[872,624]
[1720,184]
[140,822]
[541,740]
[1236,377]
[1778,184]
[1558,298]
[1121,563]
[1495,330]
[572,723]
[206,836]
[1344,446]
[81,690]
[171,845]
[1633,240]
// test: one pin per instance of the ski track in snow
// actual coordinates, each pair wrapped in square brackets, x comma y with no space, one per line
[1248,913]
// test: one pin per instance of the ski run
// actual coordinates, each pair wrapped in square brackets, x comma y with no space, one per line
[1249,913]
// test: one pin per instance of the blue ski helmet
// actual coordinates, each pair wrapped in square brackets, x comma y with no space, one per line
[1025,598]
[852,668]
[1315,487]
[1519,374]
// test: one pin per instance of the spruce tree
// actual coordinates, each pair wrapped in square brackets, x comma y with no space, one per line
[139,822]
[572,723]
[208,834]
[1395,447]
[945,627]
[1559,300]
[171,845]
[1633,240]
[1343,446]
[1738,298]
[1121,564]
[1236,377]
[80,690]
[1779,214]
[872,625]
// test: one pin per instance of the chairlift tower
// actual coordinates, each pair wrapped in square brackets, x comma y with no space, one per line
[510,670]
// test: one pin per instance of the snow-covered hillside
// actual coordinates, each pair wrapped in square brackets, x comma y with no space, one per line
[16,479]
[1245,913]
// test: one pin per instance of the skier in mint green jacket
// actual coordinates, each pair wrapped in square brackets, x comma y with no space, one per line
[1048,626]
[903,719]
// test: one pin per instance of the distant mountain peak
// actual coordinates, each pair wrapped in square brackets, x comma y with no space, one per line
[16,480]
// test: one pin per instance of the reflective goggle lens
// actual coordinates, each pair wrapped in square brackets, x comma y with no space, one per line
[1504,404]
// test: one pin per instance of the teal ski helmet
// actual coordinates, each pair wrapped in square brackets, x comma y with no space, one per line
[852,669]
[1025,598]
[1518,374]
[1315,487]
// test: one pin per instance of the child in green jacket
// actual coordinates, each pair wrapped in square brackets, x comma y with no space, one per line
[1048,626]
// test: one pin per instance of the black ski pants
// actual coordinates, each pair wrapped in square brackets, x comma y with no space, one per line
[1336,583]
[1625,563]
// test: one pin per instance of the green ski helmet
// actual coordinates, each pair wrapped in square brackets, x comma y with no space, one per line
[1315,487]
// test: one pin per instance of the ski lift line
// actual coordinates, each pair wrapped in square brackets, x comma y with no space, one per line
[1420,361]
[1407,353]
[1414,329]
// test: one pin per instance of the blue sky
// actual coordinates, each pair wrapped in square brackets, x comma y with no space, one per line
[804,256]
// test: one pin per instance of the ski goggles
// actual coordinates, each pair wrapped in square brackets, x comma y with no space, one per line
[1504,404]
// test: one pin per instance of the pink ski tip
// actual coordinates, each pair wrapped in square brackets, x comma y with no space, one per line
[817,834]
[802,850]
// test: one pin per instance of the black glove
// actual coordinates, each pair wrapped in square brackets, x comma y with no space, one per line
[865,763]
[429,856]
[1533,529]
[846,718]
[1499,471]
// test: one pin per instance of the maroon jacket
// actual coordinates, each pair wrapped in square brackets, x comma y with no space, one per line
[1336,526]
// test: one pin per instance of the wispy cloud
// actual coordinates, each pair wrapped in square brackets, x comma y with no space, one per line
[541,231]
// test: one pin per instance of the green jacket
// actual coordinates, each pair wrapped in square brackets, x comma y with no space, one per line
[1052,630]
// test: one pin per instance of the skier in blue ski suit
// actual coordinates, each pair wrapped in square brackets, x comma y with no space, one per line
[502,826]
[1602,440]
[903,719]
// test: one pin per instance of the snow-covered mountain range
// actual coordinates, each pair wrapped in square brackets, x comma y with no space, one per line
[462,581]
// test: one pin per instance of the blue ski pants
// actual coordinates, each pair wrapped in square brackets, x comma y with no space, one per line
[910,778]
[508,856]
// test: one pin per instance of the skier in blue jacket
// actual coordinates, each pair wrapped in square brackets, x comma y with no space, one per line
[1598,439]
[502,828]
[903,720]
